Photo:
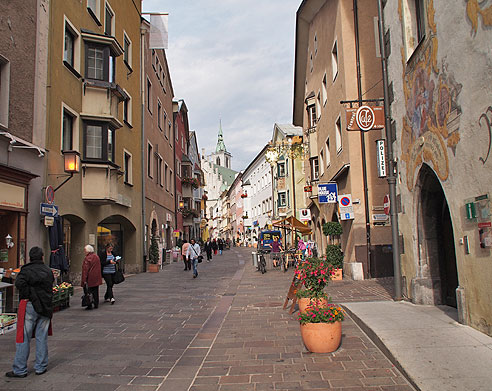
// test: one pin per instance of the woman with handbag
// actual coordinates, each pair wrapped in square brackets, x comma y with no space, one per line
[108,267]
[91,275]
[194,254]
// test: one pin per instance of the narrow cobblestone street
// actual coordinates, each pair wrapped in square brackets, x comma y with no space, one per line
[225,330]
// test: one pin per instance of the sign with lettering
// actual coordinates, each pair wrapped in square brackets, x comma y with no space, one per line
[327,193]
[365,118]
[12,196]
[48,210]
[345,207]
[381,158]
[305,215]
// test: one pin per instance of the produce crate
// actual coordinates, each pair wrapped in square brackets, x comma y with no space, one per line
[8,323]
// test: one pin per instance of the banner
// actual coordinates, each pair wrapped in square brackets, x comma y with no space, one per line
[158,38]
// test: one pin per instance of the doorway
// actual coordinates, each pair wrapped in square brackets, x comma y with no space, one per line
[436,239]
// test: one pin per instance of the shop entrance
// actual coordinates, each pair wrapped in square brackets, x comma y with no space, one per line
[436,239]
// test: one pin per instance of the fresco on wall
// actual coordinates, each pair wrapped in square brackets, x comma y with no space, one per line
[474,10]
[431,122]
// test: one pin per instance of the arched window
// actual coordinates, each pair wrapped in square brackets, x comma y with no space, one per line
[218,161]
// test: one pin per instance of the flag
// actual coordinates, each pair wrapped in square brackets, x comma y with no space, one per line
[158,31]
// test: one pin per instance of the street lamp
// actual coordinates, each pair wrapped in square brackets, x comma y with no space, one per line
[71,165]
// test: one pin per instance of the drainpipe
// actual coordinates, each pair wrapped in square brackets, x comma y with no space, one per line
[391,162]
[362,141]
[142,97]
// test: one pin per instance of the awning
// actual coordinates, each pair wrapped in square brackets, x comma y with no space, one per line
[293,224]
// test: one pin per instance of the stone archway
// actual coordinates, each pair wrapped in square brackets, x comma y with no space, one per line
[437,275]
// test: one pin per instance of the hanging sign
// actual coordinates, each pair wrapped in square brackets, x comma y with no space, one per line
[327,193]
[381,158]
[345,207]
[386,204]
[365,118]
[304,215]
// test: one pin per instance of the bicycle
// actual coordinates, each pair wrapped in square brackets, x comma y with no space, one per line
[285,259]
[261,261]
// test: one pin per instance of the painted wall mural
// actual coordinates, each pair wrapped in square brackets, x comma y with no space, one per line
[431,121]
[474,9]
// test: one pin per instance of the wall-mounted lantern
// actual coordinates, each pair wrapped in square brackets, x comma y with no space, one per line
[71,165]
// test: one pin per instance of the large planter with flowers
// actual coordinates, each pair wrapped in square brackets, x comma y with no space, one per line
[313,274]
[306,302]
[321,328]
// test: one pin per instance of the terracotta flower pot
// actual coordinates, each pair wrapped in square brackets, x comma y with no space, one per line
[321,337]
[306,302]
[153,268]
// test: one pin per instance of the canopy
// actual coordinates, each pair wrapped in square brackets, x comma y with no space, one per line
[293,224]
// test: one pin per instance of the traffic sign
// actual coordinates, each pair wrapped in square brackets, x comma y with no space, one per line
[345,206]
[49,194]
[386,204]
[48,210]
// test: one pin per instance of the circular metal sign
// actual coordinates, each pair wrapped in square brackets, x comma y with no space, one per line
[49,194]
[365,118]
[345,201]
[386,204]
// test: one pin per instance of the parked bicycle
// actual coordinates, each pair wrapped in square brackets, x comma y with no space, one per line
[287,258]
[262,261]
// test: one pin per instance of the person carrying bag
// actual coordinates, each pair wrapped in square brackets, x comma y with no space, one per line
[194,253]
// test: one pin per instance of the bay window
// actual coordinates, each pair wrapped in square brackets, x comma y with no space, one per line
[99,143]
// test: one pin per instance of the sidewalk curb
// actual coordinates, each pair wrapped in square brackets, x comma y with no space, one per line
[381,346]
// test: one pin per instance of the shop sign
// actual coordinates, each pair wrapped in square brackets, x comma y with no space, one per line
[12,196]
[381,158]
[49,221]
[305,215]
[380,217]
[365,118]
[345,207]
[308,189]
[169,217]
[327,193]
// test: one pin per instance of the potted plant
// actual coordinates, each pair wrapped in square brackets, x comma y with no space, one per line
[334,254]
[153,256]
[321,328]
[313,274]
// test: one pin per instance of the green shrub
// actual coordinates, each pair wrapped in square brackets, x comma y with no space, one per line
[334,255]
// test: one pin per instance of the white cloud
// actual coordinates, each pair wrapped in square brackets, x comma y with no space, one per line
[232,61]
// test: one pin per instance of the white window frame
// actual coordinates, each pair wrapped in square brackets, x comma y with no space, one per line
[334,59]
[130,49]
[107,5]
[159,114]
[328,153]
[129,108]
[318,105]
[321,164]
[97,11]
[130,166]
[338,134]
[411,34]
[4,91]
[76,43]
[75,127]
[162,174]
[171,182]
[148,96]
[284,204]
[166,177]
[324,90]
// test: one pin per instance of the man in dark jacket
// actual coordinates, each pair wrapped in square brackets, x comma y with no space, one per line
[35,285]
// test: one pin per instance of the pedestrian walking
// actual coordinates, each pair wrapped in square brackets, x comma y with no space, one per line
[184,252]
[220,244]
[208,250]
[276,247]
[214,246]
[91,274]
[108,267]
[35,285]
[193,254]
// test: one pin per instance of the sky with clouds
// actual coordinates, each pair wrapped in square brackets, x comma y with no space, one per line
[232,60]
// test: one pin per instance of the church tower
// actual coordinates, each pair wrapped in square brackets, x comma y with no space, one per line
[221,157]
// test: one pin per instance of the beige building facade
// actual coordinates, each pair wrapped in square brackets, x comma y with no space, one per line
[325,75]
[94,108]
[439,73]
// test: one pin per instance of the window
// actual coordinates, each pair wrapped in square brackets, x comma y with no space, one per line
[311,62]
[169,125]
[127,109]
[71,48]
[68,50]
[93,8]
[282,199]
[324,91]
[127,167]
[176,131]
[67,131]
[98,141]
[318,105]
[315,45]
[338,134]
[171,182]
[334,60]
[414,24]
[127,47]
[281,169]
[311,109]
[314,168]
[159,173]
[108,20]
[166,176]
[150,151]
[99,63]
[321,163]
[328,154]
[159,112]
[165,122]
[4,91]
[149,96]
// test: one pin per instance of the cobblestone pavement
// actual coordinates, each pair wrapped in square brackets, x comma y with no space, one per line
[225,330]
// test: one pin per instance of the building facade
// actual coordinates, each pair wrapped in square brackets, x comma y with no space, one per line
[24,30]
[194,219]
[94,108]
[438,68]
[326,73]
[160,192]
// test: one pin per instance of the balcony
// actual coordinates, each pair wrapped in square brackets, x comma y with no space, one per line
[100,100]
[100,185]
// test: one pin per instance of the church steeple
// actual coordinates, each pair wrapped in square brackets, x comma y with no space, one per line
[220,141]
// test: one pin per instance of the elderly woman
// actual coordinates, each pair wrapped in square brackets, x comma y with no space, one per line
[91,274]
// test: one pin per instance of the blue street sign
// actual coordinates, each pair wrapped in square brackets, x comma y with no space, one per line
[48,210]
[328,193]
